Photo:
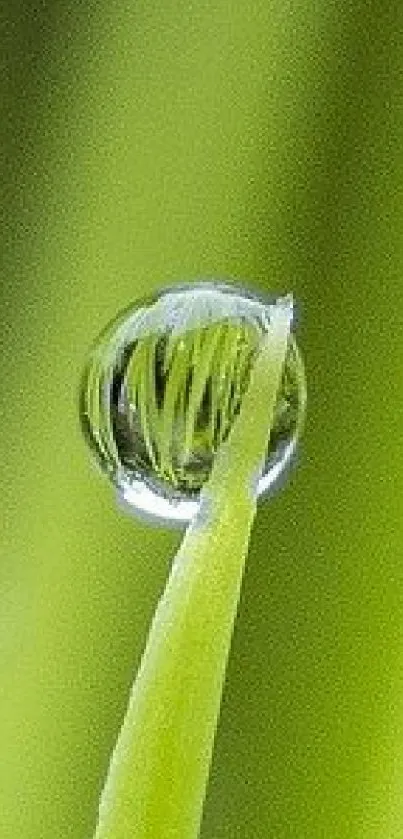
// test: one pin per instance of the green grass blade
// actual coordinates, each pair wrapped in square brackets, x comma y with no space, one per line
[159,770]
[180,353]
[140,389]
[222,390]
[204,349]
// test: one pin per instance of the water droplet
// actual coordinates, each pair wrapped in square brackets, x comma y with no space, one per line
[163,385]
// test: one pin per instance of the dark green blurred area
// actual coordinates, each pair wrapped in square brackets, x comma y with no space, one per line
[147,144]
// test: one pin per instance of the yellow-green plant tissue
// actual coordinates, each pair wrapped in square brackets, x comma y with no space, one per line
[193,402]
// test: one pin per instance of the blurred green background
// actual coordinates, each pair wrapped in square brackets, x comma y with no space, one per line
[145,144]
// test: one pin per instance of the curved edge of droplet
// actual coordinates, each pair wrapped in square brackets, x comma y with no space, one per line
[278,473]
[140,501]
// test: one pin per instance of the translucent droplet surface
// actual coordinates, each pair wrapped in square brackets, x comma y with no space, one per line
[163,386]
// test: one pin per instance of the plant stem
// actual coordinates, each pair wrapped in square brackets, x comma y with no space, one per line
[159,770]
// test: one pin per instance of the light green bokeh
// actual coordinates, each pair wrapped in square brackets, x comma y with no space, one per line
[145,146]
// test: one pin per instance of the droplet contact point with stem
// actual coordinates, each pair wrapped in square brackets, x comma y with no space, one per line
[158,774]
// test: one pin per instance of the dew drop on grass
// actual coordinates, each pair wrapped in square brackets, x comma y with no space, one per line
[163,385]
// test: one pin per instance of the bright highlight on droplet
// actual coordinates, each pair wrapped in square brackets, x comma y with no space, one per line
[164,384]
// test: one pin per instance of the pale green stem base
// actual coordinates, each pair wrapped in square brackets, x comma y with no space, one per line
[159,770]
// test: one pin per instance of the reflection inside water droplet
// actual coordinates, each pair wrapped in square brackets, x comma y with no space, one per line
[163,386]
